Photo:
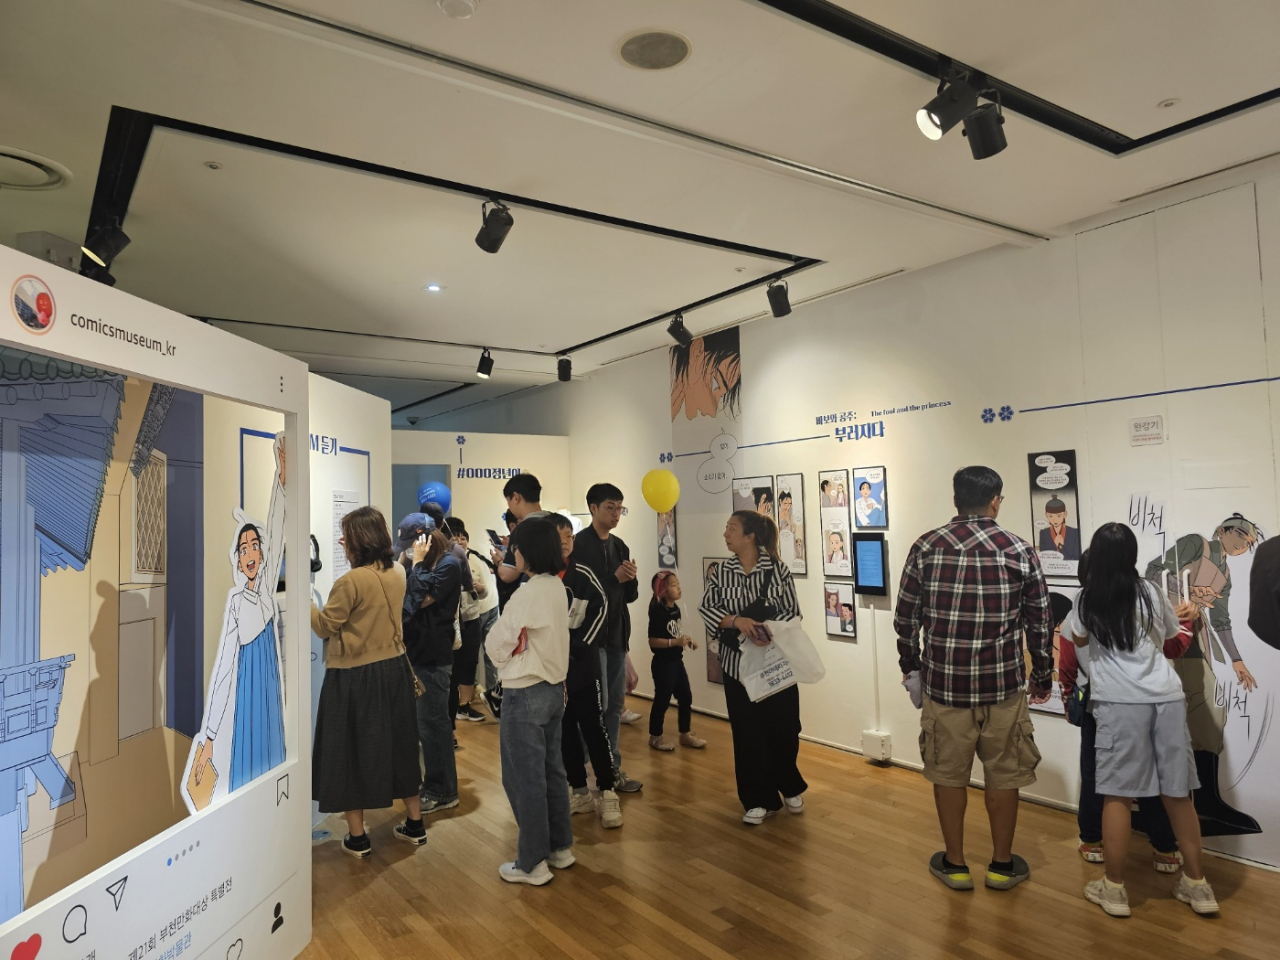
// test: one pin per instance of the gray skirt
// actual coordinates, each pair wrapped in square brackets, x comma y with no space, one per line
[365,754]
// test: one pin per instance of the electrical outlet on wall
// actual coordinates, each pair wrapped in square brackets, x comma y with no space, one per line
[876,745]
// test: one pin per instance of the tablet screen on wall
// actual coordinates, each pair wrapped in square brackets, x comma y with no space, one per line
[869,560]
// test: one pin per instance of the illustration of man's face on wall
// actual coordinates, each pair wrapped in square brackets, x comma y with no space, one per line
[1236,541]
[1057,519]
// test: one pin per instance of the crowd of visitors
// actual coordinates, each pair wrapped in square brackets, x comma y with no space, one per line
[548,609]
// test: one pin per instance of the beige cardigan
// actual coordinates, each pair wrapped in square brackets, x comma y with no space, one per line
[362,617]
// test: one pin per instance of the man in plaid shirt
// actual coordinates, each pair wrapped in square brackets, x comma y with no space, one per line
[977,591]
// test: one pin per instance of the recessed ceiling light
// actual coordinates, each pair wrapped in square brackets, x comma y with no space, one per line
[458,9]
[213,164]
[433,288]
[654,49]
[1171,102]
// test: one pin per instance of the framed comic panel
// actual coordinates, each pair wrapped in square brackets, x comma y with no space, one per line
[833,509]
[870,498]
[791,539]
[838,610]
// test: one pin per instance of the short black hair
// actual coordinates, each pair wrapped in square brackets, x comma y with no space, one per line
[784,494]
[600,492]
[509,519]
[453,527]
[435,512]
[525,484]
[559,521]
[539,544]
[1055,505]
[864,483]
[975,487]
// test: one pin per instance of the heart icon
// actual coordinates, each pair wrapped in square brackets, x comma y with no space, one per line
[27,950]
[234,951]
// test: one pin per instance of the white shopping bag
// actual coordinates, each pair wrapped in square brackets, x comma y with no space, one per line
[789,636]
[765,670]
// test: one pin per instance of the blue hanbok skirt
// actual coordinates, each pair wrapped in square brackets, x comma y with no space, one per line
[258,738]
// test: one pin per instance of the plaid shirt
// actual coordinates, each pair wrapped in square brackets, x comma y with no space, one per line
[976,589]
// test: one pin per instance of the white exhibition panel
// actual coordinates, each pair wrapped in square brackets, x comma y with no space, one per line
[229,871]
[1156,310]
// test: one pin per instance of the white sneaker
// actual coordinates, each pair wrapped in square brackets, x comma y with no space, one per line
[794,804]
[629,716]
[581,803]
[1198,896]
[757,815]
[1114,900]
[609,807]
[562,859]
[513,874]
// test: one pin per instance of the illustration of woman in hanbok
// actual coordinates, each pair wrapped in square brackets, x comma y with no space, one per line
[246,696]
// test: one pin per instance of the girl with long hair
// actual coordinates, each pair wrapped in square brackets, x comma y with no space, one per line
[751,587]
[1143,747]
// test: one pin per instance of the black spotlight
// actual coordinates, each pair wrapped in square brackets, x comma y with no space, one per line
[678,332]
[564,369]
[495,224]
[106,243]
[485,369]
[99,273]
[955,101]
[779,302]
[985,130]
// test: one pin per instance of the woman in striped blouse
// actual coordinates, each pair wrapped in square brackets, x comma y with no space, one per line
[746,590]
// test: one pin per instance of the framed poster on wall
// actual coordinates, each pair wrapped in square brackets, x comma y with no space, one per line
[668,556]
[714,673]
[870,506]
[755,493]
[833,508]
[791,540]
[1055,511]
[837,602]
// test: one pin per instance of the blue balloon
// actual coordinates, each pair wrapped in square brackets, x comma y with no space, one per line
[435,492]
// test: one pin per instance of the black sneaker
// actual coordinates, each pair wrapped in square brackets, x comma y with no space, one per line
[357,846]
[412,831]
[468,712]
[494,700]
[1005,878]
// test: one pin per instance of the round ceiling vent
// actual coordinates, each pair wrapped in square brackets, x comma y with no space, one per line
[655,50]
[20,170]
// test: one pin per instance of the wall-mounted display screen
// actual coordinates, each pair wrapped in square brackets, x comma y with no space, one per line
[871,564]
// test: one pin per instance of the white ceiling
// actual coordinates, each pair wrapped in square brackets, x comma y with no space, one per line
[276,240]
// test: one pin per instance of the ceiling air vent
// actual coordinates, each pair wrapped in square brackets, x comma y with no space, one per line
[655,50]
[20,170]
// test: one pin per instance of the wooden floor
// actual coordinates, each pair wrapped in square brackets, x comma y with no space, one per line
[685,878]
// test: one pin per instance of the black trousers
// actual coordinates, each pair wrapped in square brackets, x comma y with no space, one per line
[670,679]
[766,743]
[585,712]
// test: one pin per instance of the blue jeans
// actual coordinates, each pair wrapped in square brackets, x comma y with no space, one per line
[1151,810]
[435,733]
[613,671]
[533,771]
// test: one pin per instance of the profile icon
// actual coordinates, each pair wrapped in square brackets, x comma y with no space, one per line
[279,921]
[33,304]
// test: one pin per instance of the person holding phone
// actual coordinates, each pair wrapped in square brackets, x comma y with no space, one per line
[751,587]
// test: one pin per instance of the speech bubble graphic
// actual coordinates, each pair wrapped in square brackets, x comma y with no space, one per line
[1052,481]
[234,951]
[1045,459]
[1059,467]
[724,446]
[875,475]
[76,925]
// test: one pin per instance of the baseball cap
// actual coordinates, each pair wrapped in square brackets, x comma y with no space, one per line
[411,527]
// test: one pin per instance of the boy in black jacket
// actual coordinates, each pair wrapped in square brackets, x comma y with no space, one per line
[584,707]
[609,559]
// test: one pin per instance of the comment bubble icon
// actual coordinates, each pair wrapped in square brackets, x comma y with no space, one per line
[1045,459]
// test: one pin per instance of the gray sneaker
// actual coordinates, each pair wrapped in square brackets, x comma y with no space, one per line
[624,784]
[1199,896]
[1114,900]
[1007,879]
[430,806]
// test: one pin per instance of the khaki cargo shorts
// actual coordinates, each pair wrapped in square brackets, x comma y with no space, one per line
[1000,734]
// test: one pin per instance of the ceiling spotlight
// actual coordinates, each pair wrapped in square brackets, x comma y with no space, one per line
[485,369]
[678,332]
[106,243]
[985,130]
[495,224]
[433,288]
[779,302]
[564,369]
[99,273]
[955,101]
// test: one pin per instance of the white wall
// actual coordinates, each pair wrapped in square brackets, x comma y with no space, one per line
[1164,295]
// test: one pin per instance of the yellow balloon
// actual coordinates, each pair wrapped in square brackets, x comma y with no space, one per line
[660,489]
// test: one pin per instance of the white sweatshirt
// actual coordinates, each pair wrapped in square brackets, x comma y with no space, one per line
[535,622]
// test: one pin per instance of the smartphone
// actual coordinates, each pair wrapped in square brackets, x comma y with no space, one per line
[762,634]
[495,539]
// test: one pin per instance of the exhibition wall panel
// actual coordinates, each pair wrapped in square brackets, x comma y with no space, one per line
[1132,358]
[108,544]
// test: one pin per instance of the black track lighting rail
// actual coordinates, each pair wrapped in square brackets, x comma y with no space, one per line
[839,22]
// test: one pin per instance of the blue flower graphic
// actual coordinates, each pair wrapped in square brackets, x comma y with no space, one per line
[461,440]
[988,415]
[1006,413]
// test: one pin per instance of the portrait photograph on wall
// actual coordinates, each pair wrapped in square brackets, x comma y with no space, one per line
[668,557]
[791,540]
[1055,511]
[715,673]
[833,499]
[870,508]
[837,601]
[755,494]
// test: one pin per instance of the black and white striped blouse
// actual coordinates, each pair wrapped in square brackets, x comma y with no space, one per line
[730,591]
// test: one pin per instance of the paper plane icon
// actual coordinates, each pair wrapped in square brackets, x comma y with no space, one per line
[117,891]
